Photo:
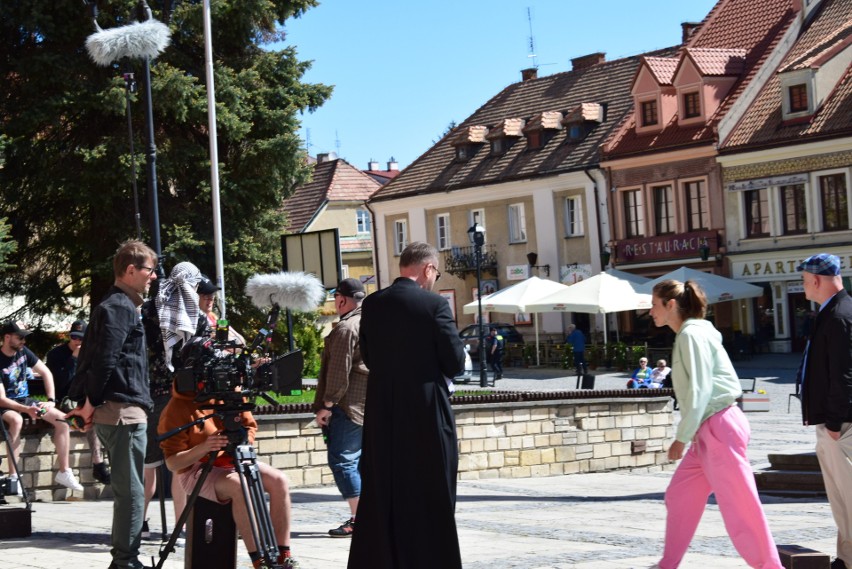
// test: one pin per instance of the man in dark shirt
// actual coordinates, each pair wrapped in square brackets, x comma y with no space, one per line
[18,366]
[111,388]
[62,363]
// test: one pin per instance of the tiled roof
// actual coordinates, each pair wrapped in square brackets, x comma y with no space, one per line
[762,125]
[354,244]
[717,61]
[474,134]
[335,180]
[382,176]
[754,26]
[585,112]
[547,120]
[507,127]
[663,68]
[607,84]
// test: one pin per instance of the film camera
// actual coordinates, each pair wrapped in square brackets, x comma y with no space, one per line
[219,369]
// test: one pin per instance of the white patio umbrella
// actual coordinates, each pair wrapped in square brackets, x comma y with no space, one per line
[625,276]
[716,287]
[600,294]
[515,298]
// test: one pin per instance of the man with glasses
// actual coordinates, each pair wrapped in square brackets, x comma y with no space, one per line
[111,390]
[62,363]
[409,462]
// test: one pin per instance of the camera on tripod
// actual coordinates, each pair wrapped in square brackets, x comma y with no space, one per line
[222,370]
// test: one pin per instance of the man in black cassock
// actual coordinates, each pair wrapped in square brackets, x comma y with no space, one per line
[409,342]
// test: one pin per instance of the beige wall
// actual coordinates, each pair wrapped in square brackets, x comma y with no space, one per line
[499,440]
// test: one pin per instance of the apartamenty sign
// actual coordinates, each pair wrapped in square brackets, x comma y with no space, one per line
[767,267]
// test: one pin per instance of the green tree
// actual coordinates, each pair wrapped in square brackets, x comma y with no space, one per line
[65,183]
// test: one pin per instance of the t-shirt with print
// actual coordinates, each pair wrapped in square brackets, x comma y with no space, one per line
[16,383]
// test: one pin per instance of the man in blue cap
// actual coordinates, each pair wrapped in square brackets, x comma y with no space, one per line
[826,379]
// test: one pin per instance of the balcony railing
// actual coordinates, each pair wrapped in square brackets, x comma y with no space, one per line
[461,260]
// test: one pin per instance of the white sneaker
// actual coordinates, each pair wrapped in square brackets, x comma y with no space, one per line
[66,478]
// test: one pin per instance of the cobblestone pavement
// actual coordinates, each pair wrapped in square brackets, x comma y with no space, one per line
[602,520]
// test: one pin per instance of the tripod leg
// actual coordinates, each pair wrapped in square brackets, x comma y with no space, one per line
[255,498]
[15,461]
[169,547]
[161,492]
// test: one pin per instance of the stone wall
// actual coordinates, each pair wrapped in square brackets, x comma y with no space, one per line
[496,440]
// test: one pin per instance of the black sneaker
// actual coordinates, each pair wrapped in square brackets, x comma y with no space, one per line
[344,530]
[146,532]
[100,472]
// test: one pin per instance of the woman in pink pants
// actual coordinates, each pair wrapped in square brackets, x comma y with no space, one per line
[706,387]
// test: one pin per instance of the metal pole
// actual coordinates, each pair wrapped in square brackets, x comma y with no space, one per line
[151,159]
[483,373]
[214,158]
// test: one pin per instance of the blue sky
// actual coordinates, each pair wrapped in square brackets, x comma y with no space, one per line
[403,71]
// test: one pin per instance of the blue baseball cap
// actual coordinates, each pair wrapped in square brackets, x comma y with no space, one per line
[821,264]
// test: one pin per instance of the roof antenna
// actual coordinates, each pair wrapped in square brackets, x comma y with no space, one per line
[337,143]
[532,41]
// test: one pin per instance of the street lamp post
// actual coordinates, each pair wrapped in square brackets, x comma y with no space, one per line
[477,237]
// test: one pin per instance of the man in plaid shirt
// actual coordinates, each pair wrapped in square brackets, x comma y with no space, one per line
[339,402]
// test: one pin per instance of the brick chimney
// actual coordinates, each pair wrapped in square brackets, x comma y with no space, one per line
[326,157]
[687,29]
[527,74]
[585,61]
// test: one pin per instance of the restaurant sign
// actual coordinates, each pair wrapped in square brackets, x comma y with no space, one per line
[679,246]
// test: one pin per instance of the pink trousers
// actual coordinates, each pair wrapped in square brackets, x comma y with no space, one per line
[716,462]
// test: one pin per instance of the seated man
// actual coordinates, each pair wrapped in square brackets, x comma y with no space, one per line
[17,365]
[186,453]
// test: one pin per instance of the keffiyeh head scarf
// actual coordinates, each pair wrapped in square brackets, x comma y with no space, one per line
[177,306]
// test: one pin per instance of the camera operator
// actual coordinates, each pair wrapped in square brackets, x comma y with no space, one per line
[187,451]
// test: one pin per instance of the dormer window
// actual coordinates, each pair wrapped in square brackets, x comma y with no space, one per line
[581,120]
[468,141]
[691,105]
[650,116]
[504,135]
[798,95]
[541,128]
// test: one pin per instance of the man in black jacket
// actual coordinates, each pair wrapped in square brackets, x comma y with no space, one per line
[409,461]
[826,378]
[111,389]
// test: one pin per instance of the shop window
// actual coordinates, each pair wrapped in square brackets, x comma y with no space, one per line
[793,210]
[757,213]
[835,202]
[663,210]
[697,206]
[634,219]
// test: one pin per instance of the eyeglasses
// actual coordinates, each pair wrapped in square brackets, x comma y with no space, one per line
[437,272]
[144,268]
[643,361]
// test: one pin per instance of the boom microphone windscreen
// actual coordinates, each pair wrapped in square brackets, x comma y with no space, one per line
[294,290]
[137,40]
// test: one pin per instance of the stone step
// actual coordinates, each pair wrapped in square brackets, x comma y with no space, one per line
[797,461]
[775,481]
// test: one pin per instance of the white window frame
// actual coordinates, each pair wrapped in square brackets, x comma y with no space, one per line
[816,190]
[574,223]
[478,215]
[362,219]
[517,223]
[442,231]
[400,236]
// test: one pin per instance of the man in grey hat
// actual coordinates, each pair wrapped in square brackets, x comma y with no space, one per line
[826,380]
[62,363]
[339,401]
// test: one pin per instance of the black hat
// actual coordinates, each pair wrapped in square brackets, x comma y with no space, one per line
[16,328]
[78,329]
[351,288]
[206,286]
